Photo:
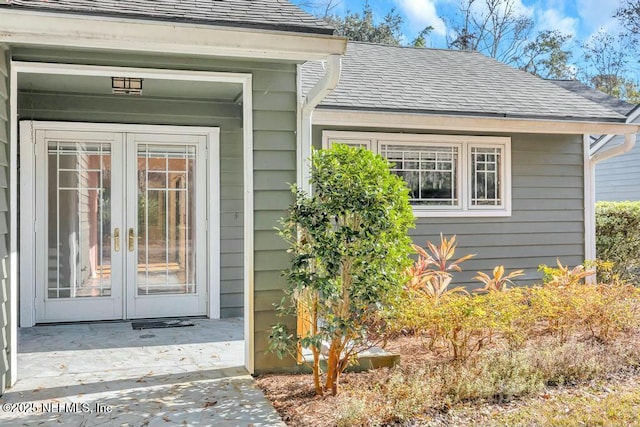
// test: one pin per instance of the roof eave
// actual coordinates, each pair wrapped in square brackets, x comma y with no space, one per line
[19,27]
[157,18]
[470,122]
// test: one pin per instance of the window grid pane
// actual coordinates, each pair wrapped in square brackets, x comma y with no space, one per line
[429,171]
[165,219]
[486,185]
[79,220]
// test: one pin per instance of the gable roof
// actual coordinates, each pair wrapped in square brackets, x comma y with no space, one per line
[611,102]
[261,14]
[418,80]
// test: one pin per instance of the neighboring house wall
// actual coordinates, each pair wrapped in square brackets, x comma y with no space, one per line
[5,333]
[618,178]
[274,155]
[547,220]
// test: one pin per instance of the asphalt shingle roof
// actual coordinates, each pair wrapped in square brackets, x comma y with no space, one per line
[406,79]
[264,14]
[611,102]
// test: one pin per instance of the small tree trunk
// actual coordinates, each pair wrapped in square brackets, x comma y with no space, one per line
[332,365]
[335,363]
[316,372]
[316,350]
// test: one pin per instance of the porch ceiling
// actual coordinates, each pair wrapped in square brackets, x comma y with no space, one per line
[152,88]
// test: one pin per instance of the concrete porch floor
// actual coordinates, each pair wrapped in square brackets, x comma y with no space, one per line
[107,374]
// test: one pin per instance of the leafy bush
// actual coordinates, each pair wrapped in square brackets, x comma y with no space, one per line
[511,315]
[350,247]
[565,303]
[608,309]
[618,237]
[464,324]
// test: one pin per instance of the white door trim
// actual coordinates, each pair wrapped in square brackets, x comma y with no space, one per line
[205,201]
[27,236]
[245,79]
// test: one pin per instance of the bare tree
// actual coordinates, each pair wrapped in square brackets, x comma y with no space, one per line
[607,59]
[629,16]
[320,8]
[492,27]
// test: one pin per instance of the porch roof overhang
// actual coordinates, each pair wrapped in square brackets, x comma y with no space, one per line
[19,27]
[467,123]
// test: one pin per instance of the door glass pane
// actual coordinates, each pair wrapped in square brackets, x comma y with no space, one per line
[79,220]
[166,212]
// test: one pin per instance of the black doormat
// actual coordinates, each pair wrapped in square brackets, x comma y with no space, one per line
[159,324]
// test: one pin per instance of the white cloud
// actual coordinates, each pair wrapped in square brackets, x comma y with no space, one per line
[552,19]
[595,14]
[422,13]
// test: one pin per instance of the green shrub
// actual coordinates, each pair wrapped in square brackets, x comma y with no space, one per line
[618,237]
[350,246]
[511,315]
[566,304]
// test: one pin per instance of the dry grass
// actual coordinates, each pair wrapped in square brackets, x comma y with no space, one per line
[430,389]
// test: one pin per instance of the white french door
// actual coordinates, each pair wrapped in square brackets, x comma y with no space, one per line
[120,224]
[166,225]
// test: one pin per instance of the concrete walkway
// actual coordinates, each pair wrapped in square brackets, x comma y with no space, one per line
[107,374]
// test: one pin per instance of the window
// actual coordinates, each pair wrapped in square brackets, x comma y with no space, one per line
[447,175]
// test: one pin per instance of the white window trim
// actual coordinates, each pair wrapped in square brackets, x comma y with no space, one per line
[464,209]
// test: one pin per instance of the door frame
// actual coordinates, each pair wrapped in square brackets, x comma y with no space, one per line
[28,265]
[28,227]
[245,79]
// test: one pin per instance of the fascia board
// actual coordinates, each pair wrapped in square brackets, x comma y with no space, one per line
[327,117]
[53,29]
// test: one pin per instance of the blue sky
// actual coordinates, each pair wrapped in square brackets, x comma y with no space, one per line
[580,18]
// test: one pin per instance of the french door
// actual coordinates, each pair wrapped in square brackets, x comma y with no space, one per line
[120,225]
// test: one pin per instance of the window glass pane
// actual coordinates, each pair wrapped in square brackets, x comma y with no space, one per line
[486,182]
[430,172]
[79,220]
[352,143]
[166,216]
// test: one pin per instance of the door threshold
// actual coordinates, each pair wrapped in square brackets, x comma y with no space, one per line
[146,319]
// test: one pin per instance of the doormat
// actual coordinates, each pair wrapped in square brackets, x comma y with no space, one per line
[159,324]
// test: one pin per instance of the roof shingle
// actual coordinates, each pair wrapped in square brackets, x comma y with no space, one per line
[264,14]
[611,102]
[406,79]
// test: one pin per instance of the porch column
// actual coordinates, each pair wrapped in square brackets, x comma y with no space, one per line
[6,337]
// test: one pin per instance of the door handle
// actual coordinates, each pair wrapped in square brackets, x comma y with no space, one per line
[132,240]
[116,240]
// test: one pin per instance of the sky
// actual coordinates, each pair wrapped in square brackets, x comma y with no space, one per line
[579,18]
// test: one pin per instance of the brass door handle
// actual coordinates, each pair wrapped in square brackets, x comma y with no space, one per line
[116,240]
[132,240]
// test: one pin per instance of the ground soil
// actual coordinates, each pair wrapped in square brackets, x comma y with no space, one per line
[293,396]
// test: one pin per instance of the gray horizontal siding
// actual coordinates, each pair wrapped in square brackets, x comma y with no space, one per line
[618,179]
[5,315]
[547,220]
